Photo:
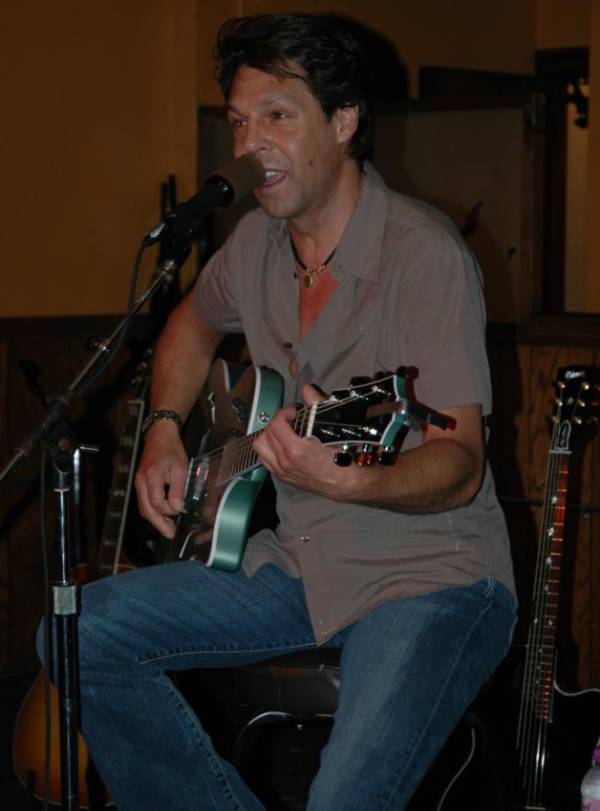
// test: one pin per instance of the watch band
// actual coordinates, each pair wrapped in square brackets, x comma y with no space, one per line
[159,415]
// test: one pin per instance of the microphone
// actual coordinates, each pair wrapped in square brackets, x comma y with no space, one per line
[234,180]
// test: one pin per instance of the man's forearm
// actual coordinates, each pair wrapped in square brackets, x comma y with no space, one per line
[182,359]
[438,476]
[441,474]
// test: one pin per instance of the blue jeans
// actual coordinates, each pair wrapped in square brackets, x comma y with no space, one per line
[409,669]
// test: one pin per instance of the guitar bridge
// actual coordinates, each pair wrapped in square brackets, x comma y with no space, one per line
[197,479]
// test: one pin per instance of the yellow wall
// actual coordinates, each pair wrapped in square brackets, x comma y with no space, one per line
[593,208]
[463,33]
[562,23]
[99,105]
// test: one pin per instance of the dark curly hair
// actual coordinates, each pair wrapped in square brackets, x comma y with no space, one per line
[333,62]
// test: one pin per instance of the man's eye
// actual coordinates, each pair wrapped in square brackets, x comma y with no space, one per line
[236,123]
[279,115]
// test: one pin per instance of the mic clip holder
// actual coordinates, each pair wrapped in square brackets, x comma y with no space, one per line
[182,222]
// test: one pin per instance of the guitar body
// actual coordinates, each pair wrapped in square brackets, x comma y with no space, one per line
[29,750]
[214,527]
[29,740]
[572,735]
[451,782]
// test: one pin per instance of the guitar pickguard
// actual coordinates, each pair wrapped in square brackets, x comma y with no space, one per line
[218,506]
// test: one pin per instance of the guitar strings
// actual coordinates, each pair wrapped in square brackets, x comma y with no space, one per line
[238,455]
[536,696]
[528,714]
[530,722]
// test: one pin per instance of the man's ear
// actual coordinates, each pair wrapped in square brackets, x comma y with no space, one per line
[346,119]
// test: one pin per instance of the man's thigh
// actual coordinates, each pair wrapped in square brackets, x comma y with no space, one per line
[410,668]
[185,615]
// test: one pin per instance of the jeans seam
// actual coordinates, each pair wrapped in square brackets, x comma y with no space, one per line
[274,650]
[436,704]
[218,772]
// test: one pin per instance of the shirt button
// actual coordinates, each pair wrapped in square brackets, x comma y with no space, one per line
[305,538]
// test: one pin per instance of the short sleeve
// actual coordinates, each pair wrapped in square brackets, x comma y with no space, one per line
[441,320]
[215,296]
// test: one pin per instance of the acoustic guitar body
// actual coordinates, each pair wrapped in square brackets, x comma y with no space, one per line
[29,751]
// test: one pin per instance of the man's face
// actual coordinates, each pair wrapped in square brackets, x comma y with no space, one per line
[282,123]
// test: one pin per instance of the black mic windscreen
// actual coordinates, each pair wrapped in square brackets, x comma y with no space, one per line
[242,175]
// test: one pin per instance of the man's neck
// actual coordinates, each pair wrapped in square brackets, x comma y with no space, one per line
[317,233]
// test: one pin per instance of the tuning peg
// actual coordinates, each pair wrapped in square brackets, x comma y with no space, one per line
[344,456]
[386,455]
[365,456]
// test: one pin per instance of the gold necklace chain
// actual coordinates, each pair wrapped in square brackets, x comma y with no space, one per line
[308,279]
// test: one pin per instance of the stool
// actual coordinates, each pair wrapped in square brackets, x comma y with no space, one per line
[292,698]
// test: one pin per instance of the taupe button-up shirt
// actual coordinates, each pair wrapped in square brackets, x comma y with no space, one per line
[409,293]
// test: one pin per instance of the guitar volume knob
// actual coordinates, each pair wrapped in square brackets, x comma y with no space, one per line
[343,457]
[386,456]
[365,456]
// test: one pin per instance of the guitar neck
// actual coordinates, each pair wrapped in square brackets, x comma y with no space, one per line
[576,405]
[546,592]
[537,690]
[369,413]
[110,548]
[238,457]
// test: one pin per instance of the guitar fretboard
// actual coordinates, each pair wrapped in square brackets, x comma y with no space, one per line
[111,539]
[540,662]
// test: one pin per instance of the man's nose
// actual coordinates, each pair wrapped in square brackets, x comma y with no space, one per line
[253,140]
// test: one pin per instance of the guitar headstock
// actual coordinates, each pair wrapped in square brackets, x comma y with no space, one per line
[365,419]
[577,401]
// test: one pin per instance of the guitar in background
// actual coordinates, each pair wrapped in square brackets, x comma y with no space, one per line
[29,749]
[557,730]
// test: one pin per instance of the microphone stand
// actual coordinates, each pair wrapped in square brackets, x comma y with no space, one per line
[58,438]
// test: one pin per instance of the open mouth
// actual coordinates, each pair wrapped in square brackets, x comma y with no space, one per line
[272,177]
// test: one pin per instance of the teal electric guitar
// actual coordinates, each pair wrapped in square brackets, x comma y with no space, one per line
[364,421]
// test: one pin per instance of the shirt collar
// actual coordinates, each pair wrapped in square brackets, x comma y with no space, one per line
[359,250]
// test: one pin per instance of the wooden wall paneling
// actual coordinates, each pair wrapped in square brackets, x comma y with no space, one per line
[510,457]
[522,445]
[584,556]
[4,568]
[578,585]
[523,516]
[60,352]
[23,519]
[97,418]
[508,424]
[593,631]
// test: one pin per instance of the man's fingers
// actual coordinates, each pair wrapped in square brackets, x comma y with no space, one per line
[311,395]
[176,492]
[157,518]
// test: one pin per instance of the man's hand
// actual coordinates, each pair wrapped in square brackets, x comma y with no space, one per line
[303,462]
[444,472]
[161,475]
